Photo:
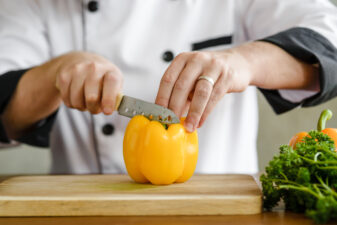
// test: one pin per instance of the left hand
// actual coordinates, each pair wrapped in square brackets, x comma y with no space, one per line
[181,91]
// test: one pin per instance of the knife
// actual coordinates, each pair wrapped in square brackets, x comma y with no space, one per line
[130,107]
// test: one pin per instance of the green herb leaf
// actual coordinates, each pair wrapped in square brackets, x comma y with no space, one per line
[305,178]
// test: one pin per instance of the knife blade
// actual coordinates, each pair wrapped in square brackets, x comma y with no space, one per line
[130,107]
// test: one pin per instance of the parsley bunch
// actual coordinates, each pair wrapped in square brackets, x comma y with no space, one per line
[305,178]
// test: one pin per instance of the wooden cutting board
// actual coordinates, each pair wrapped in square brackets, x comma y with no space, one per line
[94,195]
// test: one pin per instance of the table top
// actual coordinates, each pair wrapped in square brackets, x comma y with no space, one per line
[266,218]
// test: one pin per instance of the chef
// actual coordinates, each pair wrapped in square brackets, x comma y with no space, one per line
[62,64]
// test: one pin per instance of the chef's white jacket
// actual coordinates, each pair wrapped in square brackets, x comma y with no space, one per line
[141,38]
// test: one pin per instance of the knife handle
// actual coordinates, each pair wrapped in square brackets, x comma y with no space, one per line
[118,101]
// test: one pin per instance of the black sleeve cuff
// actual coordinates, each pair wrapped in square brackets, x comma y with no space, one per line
[310,47]
[8,82]
[39,135]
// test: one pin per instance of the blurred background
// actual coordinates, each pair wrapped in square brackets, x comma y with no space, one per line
[274,130]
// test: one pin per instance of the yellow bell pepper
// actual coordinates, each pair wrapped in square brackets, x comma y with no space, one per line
[158,155]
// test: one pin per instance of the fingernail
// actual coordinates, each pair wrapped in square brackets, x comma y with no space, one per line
[107,110]
[189,127]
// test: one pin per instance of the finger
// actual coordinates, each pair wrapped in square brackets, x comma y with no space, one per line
[63,81]
[183,87]
[201,96]
[76,91]
[218,92]
[169,78]
[112,85]
[188,104]
[92,92]
[186,108]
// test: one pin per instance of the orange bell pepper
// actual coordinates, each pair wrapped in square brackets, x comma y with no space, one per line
[297,138]
[158,155]
[331,132]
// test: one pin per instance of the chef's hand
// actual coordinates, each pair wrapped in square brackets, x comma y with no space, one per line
[88,82]
[181,91]
[82,80]
[258,63]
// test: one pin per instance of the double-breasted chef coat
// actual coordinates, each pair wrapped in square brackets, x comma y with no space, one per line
[142,38]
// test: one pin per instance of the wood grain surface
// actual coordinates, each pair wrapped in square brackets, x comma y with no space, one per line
[106,195]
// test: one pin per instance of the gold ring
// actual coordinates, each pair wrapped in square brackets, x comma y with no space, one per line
[209,79]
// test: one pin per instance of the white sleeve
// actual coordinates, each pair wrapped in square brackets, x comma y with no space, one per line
[23,44]
[263,18]
[23,39]
[306,29]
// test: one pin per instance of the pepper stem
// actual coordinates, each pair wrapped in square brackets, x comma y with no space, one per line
[325,116]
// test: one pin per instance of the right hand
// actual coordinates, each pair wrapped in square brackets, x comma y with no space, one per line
[88,82]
